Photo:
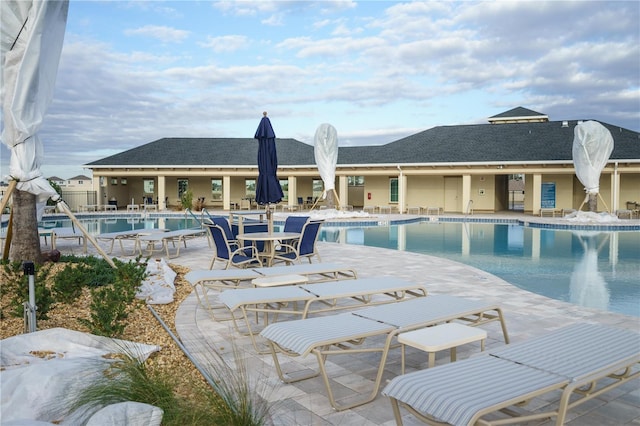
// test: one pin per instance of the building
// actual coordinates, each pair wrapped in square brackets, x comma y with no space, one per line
[457,169]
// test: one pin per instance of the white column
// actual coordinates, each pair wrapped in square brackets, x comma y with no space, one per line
[293,191]
[615,190]
[402,190]
[466,193]
[162,192]
[226,192]
[343,185]
[536,197]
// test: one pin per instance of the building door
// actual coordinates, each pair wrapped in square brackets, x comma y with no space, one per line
[453,194]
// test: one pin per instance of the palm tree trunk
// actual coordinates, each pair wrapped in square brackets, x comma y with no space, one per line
[330,201]
[25,244]
[593,202]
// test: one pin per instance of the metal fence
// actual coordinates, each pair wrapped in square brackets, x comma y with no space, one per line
[75,199]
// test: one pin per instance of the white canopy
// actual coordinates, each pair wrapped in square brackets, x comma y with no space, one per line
[32,37]
[592,147]
[326,153]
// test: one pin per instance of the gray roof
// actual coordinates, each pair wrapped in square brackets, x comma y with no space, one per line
[208,152]
[516,142]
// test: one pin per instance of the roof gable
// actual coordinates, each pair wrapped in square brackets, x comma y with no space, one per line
[518,115]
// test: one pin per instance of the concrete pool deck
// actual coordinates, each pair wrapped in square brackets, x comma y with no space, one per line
[305,402]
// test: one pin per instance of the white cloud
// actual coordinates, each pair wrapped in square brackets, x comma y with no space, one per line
[374,73]
[164,34]
[227,43]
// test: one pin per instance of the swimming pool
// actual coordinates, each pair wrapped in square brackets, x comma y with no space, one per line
[599,269]
[596,269]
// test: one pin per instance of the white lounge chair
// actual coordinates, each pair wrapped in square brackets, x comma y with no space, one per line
[68,233]
[120,236]
[346,333]
[164,238]
[229,278]
[578,362]
[316,298]
[315,272]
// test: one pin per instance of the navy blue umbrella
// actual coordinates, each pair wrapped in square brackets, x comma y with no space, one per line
[268,189]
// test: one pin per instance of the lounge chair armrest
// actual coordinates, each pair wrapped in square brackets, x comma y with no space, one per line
[243,251]
[286,248]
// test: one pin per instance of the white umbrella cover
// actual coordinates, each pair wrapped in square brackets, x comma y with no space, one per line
[326,153]
[32,38]
[592,146]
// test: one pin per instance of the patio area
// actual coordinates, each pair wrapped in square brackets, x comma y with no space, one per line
[305,402]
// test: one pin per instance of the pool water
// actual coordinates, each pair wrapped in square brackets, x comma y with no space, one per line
[588,268]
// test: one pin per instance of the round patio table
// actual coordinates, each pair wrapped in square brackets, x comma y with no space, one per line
[269,238]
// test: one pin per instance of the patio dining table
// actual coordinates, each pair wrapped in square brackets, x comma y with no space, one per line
[270,239]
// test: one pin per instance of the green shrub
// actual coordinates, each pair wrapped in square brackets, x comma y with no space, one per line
[100,271]
[186,200]
[69,282]
[16,283]
[111,304]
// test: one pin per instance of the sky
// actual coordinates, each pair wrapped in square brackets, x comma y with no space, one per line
[134,72]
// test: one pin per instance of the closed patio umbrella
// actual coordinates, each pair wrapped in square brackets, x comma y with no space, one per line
[268,189]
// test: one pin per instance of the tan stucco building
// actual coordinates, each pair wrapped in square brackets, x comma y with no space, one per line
[456,169]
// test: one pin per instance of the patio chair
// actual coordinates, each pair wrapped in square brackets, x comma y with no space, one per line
[305,247]
[294,224]
[347,333]
[241,257]
[223,223]
[577,362]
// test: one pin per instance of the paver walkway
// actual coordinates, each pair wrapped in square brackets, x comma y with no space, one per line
[305,403]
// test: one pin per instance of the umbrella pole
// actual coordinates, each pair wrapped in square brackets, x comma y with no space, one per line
[269,219]
[76,222]
[7,195]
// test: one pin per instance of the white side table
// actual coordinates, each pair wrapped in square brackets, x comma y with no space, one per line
[278,280]
[441,337]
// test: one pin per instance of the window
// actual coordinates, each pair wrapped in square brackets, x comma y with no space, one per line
[123,181]
[148,185]
[114,181]
[318,188]
[355,180]
[393,190]
[216,189]
[284,183]
[183,185]
[250,188]
[80,182]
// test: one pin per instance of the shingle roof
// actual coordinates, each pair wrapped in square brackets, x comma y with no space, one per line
[516,142]
[521,142]
[207,152]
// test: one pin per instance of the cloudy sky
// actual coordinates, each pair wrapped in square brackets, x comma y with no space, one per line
[134,72]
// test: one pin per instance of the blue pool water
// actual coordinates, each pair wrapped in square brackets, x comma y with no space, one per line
[588,268]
